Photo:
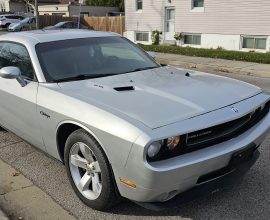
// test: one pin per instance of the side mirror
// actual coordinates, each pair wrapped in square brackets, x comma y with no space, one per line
[152,54]
[12,72]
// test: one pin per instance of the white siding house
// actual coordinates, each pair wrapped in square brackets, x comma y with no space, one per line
[229,24]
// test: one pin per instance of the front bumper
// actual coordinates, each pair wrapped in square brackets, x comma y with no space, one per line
[210,187]
[163,180]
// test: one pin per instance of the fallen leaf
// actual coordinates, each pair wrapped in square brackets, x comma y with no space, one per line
[15,173]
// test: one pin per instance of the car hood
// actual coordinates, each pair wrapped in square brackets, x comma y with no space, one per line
[13,24]
[161,96]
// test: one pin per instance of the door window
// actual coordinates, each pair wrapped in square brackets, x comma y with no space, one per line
[68,25]
[12,54]
[170,17]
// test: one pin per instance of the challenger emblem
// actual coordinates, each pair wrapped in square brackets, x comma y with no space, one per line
[234,109]
[44,114]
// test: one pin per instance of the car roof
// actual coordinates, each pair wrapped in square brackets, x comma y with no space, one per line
[10,15]
[42,36]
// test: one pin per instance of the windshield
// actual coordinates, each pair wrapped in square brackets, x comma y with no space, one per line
[79,59]
[24,20]
[60,24]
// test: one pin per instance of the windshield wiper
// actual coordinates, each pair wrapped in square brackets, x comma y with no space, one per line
[92,76]
[145,68]
[82,77]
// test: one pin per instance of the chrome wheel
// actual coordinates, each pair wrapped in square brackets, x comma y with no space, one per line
[85,171]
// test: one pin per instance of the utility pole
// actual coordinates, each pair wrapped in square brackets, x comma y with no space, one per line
[37,15]
[80,10]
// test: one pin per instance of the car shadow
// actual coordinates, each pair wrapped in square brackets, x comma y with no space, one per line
[187,210]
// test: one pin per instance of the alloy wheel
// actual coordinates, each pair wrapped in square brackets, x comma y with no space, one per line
[85,170]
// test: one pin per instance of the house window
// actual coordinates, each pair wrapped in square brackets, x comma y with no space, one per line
[142,36]
[3,7]
[197,3]
[254,43]
[84,14]
[192,39]
[139,5]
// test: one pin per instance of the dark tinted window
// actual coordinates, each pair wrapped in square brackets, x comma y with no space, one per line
[12,54]
[68,25]
[94,57]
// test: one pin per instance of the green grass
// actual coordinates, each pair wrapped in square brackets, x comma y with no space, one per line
[212,53]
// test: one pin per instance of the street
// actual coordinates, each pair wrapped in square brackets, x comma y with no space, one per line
[249,200]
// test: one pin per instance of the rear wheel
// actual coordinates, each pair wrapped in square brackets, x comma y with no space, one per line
[89,171]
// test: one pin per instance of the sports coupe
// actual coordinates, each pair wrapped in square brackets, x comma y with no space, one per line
[124,125]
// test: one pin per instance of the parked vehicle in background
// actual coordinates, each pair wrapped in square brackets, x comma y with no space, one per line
[25,23]
[6,20]
[67,25]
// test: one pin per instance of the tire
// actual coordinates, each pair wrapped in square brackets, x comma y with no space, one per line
[100,192]
[6,25]
[2,129]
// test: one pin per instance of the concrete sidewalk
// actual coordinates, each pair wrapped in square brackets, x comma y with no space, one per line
[215,65]
[21,199]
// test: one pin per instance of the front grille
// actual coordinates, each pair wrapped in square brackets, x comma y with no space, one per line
[226,131]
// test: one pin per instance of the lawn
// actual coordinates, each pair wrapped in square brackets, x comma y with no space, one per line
[212,53]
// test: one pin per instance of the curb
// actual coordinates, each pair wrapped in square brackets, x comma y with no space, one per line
[21,199]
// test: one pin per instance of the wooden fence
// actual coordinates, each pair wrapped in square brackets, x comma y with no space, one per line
[112,24]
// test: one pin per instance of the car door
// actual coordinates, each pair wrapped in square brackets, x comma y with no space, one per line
[18,104]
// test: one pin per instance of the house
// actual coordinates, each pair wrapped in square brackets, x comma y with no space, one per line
[12,6]
[21,6]
[229,24]
[74,10]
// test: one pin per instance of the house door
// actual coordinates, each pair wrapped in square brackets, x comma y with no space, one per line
[169,23]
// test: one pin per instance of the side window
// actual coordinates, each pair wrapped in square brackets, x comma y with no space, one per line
[12,54]
[67,25]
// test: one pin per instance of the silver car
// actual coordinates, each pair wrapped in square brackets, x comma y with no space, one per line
[28,22]
[124,125]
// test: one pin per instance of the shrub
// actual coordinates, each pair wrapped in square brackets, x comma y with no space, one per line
[212,53]
[156,37]
[178,36]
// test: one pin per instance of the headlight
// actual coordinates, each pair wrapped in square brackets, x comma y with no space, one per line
[154,148]
[172,142]
[163,149]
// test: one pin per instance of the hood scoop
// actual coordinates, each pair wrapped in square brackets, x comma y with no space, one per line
[124,88]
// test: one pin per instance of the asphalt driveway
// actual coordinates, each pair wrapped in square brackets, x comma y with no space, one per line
[249,200]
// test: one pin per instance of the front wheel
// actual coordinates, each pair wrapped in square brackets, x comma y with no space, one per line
[6,25]
[2,129]
[89,171]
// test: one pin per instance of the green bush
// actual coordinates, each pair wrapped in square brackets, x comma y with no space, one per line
[155,36]
[212,53]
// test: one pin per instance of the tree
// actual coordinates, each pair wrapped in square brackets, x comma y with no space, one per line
[112,3]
